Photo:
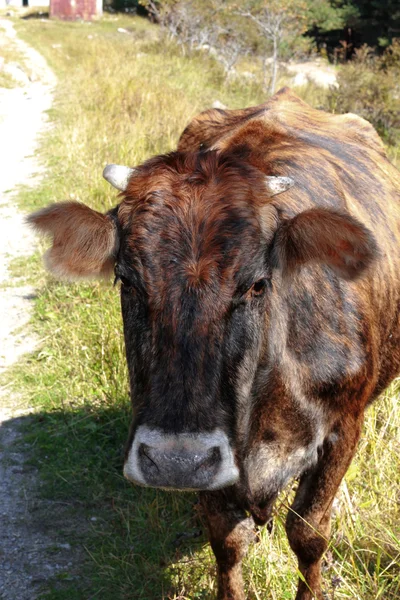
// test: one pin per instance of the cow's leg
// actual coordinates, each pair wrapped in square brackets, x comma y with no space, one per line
[308,520]
[230,533]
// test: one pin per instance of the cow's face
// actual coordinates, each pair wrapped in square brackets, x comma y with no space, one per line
[195,277]
[199,247]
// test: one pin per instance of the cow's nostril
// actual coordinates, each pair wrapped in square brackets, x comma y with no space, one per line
[212,458]
[146,458]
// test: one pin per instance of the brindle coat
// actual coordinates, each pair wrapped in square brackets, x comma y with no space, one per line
[275,319]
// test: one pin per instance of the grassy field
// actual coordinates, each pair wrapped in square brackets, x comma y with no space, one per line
[121,98]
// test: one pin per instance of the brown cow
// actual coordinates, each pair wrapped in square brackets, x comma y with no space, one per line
[258,324]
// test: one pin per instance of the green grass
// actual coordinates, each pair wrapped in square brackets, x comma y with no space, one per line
[122,98]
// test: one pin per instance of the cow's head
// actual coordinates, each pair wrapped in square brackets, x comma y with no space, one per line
[200,248]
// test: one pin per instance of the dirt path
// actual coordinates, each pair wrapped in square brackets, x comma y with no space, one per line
[29,554]
[319,71]
[21,118]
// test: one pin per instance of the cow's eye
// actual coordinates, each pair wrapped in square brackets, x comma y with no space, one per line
[125,282]
[120,277]
[258,288]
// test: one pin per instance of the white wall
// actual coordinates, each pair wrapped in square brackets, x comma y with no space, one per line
[16,3]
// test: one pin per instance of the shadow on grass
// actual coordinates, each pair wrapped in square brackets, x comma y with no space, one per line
[36,14]
[137,543]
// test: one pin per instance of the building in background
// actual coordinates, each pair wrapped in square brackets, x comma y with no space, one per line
[76,9]
[61,9]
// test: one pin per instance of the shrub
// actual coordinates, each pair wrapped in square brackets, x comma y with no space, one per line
[370,86]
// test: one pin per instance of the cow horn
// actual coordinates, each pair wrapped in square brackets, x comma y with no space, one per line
[118,176]
[277,185]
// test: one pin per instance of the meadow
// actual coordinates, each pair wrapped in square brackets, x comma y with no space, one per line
[123,97]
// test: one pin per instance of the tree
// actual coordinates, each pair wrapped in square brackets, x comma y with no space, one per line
[279,22]
[201,24]
[228,29]
[377,20]
[189,22]
[284,23]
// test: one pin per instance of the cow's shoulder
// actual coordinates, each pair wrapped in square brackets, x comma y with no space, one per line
[206,129]
[361,131]
[297,117]
[284,119]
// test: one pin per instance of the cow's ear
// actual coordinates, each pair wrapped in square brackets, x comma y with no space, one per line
[85,242]
[324,236]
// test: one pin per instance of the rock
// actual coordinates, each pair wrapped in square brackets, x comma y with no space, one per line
[64,546]
[317,71]
[300,79]
[247,75]
[218,104]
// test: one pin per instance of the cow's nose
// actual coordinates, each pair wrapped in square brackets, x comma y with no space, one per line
[181,469]
[183,461]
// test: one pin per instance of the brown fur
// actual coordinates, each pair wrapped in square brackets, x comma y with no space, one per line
[318,235]
[187,214]
[337,162]
[84,240]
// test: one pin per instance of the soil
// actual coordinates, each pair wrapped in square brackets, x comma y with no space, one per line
[319,71]
[34,553]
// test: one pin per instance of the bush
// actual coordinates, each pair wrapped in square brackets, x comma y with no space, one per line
[370,86]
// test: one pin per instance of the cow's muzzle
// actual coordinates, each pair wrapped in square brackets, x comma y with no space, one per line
[185,461]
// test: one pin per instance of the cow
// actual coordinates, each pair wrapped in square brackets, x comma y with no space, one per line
[260,288]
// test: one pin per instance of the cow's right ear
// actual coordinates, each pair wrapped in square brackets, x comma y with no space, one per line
[85,242]
[327,237]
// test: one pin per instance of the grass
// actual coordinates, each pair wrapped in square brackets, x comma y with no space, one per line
[121,98]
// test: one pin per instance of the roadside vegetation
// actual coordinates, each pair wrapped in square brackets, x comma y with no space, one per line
[123,96]
[369,85]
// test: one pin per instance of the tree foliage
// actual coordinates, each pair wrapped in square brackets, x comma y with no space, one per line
[273,29]
[377,20]
[279,23]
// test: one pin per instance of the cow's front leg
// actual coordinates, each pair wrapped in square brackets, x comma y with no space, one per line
[308,520]
[230,533]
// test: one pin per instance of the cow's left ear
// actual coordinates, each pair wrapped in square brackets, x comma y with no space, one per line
[324,236]
[85,242]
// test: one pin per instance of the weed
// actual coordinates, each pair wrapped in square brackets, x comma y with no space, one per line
[369,86]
